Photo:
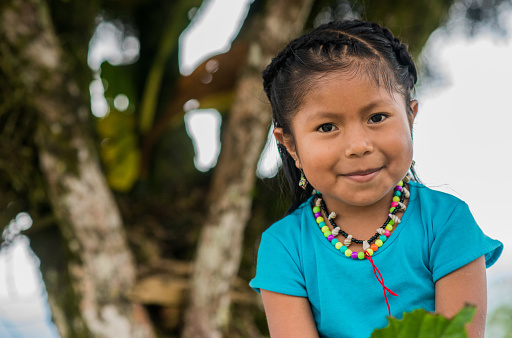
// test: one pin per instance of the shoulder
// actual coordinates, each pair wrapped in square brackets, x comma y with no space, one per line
[280,265]
[427,195]
[287,234]
[446,220]
[436,204]
[439,211]
[293,222]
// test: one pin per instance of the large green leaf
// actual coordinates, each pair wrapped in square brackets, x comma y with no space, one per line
[422,324]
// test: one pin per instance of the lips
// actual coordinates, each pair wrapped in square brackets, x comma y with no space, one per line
[363,175]
[362,172]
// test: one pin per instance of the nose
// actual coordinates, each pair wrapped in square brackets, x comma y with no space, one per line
[358,142]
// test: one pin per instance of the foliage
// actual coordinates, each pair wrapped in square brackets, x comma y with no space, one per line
[422,324]
[501,319]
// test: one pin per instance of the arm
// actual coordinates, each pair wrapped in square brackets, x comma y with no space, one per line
[288,316]
[465,285]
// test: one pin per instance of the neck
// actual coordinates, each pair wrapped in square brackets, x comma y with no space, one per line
[349,211]
[361,221]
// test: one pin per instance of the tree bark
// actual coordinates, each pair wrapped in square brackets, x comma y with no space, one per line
[100,266]
[220,242]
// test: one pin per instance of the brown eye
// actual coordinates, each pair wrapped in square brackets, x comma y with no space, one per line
[326,127]
[377,118]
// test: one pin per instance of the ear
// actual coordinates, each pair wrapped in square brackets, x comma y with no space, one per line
[414,108]
[287,141]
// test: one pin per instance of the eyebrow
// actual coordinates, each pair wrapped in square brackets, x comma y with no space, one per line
[331,114]
[373,105]
[323,114]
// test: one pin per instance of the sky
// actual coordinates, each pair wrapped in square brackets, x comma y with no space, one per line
[462,141]
[462,131]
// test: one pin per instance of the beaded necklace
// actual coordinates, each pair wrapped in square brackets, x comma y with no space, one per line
[399,195]
[382,234]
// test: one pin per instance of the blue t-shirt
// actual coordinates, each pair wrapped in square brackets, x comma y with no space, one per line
[436,236]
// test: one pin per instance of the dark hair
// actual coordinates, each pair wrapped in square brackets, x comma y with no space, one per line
[352,46]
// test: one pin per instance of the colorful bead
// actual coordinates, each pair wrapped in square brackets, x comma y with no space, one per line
[399,195]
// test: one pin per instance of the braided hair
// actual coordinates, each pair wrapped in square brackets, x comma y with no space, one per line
[352,46]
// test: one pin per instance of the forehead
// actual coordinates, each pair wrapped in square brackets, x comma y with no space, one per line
[349,90]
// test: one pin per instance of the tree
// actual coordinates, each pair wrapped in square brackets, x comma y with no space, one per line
[220,243]
[100,266]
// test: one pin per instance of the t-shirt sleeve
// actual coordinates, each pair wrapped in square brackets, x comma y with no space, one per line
[279,268]
[459,241]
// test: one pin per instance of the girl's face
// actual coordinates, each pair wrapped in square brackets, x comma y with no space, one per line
[352,139]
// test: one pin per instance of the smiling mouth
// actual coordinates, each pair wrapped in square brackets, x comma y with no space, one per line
[363,172]
[363,176]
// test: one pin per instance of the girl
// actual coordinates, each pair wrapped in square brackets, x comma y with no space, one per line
[362,239]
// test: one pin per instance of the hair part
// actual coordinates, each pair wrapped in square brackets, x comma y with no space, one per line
[353,47]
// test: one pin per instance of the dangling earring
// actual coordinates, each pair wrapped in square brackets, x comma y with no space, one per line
[412,171]
[303,182]
[412,165]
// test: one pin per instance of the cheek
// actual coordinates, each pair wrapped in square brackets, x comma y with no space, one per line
[311,156]
[400,144]
[406,147]
[315,158]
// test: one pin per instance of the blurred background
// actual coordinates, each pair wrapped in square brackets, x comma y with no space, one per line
[136,172]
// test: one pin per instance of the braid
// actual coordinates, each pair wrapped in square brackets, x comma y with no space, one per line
[401,51]
[351,46]
[277,63]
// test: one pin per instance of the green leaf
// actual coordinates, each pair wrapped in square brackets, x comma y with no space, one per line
[422,324]
[119,150]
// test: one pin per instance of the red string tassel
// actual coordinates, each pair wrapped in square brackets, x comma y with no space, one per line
[381,281]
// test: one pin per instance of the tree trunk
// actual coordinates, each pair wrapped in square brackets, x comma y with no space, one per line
[220,243]
[100,266]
